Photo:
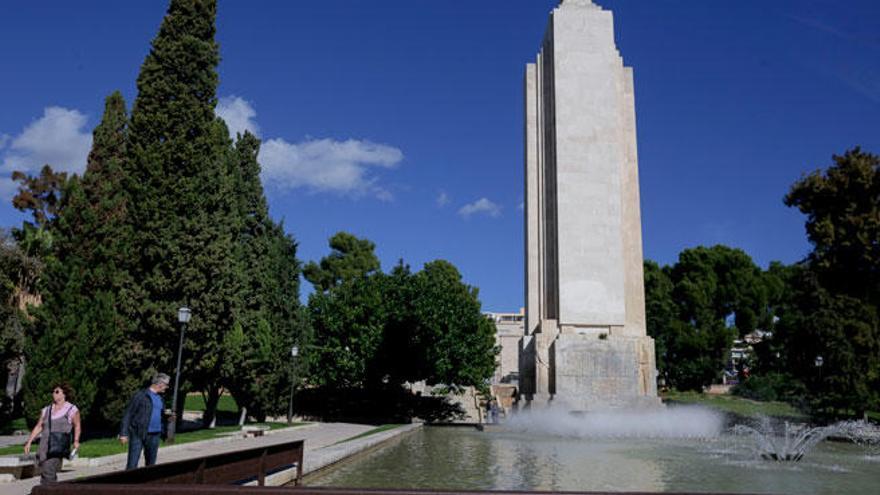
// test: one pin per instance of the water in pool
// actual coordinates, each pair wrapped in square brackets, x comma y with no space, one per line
[672,453]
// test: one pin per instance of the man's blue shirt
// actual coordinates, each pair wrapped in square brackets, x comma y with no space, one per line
[156,416]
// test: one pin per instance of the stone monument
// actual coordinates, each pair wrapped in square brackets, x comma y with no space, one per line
[585,345]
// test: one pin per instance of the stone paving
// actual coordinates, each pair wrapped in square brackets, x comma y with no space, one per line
[322,448]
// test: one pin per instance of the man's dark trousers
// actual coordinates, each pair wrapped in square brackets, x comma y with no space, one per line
[150,447]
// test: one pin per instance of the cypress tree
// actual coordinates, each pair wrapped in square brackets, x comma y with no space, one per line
[80,329]
[257,365]
[167,214]
[182,202]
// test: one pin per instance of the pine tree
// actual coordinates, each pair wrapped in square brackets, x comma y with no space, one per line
[182,199]
[350,258]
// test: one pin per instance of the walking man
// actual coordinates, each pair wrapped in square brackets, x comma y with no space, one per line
[142,422]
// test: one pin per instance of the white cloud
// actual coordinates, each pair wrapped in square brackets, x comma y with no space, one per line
[239,115]
[442,199]
[480,206]
[58,138]
[384,194]
[321,165]
[327,165]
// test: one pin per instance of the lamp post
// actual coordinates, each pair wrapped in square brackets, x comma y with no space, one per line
[294,351]
[183,316]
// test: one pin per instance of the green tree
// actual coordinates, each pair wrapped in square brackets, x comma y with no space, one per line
[400,351]
[452,339]
[349,324]
[350,258]
[180,175]
[17,269]
[779,280]
[257,367]
[717,283]
[347,312]
[660,312]
[841,330]
[79,331]
[40,195]
[23,256]
[830,303]
[842,205]
[376,329]
[697,307]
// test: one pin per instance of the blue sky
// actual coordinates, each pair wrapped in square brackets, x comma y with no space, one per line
[401,121]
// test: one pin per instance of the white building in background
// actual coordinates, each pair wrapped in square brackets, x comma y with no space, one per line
[510,327]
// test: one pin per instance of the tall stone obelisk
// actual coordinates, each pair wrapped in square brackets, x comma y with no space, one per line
[585,345]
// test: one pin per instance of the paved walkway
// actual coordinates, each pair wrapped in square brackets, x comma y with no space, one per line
[7,440]
[321,448]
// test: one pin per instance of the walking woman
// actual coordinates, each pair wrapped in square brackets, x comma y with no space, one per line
[59,417]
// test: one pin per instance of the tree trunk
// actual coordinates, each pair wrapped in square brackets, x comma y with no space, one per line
[211,407]
[181,406]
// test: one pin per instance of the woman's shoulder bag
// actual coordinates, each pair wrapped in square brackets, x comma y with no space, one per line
[59,441]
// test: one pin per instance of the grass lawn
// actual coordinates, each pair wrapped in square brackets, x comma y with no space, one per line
[734,404]
[195,402]
[100,447]
[378,429]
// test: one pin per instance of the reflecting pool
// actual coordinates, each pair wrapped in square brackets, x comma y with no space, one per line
[517,459]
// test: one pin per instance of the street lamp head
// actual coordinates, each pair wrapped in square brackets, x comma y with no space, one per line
[294,351]
[819,361]
[184,314]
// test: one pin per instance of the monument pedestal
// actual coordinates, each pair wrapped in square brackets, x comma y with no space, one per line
[593,370]
[595,373]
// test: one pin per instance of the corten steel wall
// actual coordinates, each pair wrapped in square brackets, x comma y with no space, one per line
[211,472]
[234,490]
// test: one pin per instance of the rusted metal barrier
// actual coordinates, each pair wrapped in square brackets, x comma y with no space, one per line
[245,490]
[209,474]
[307,490]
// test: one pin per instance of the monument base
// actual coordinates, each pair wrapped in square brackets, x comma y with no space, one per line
[590,370]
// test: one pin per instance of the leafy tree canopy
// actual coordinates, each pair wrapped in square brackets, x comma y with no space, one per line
[842,205]
[375,329]
[697,307]
[830,342]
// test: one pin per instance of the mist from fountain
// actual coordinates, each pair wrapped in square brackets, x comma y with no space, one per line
[668,422]
[759,440]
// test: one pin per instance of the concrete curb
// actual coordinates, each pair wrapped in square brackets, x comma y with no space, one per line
[323,458]
[332,454]
[115,458]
